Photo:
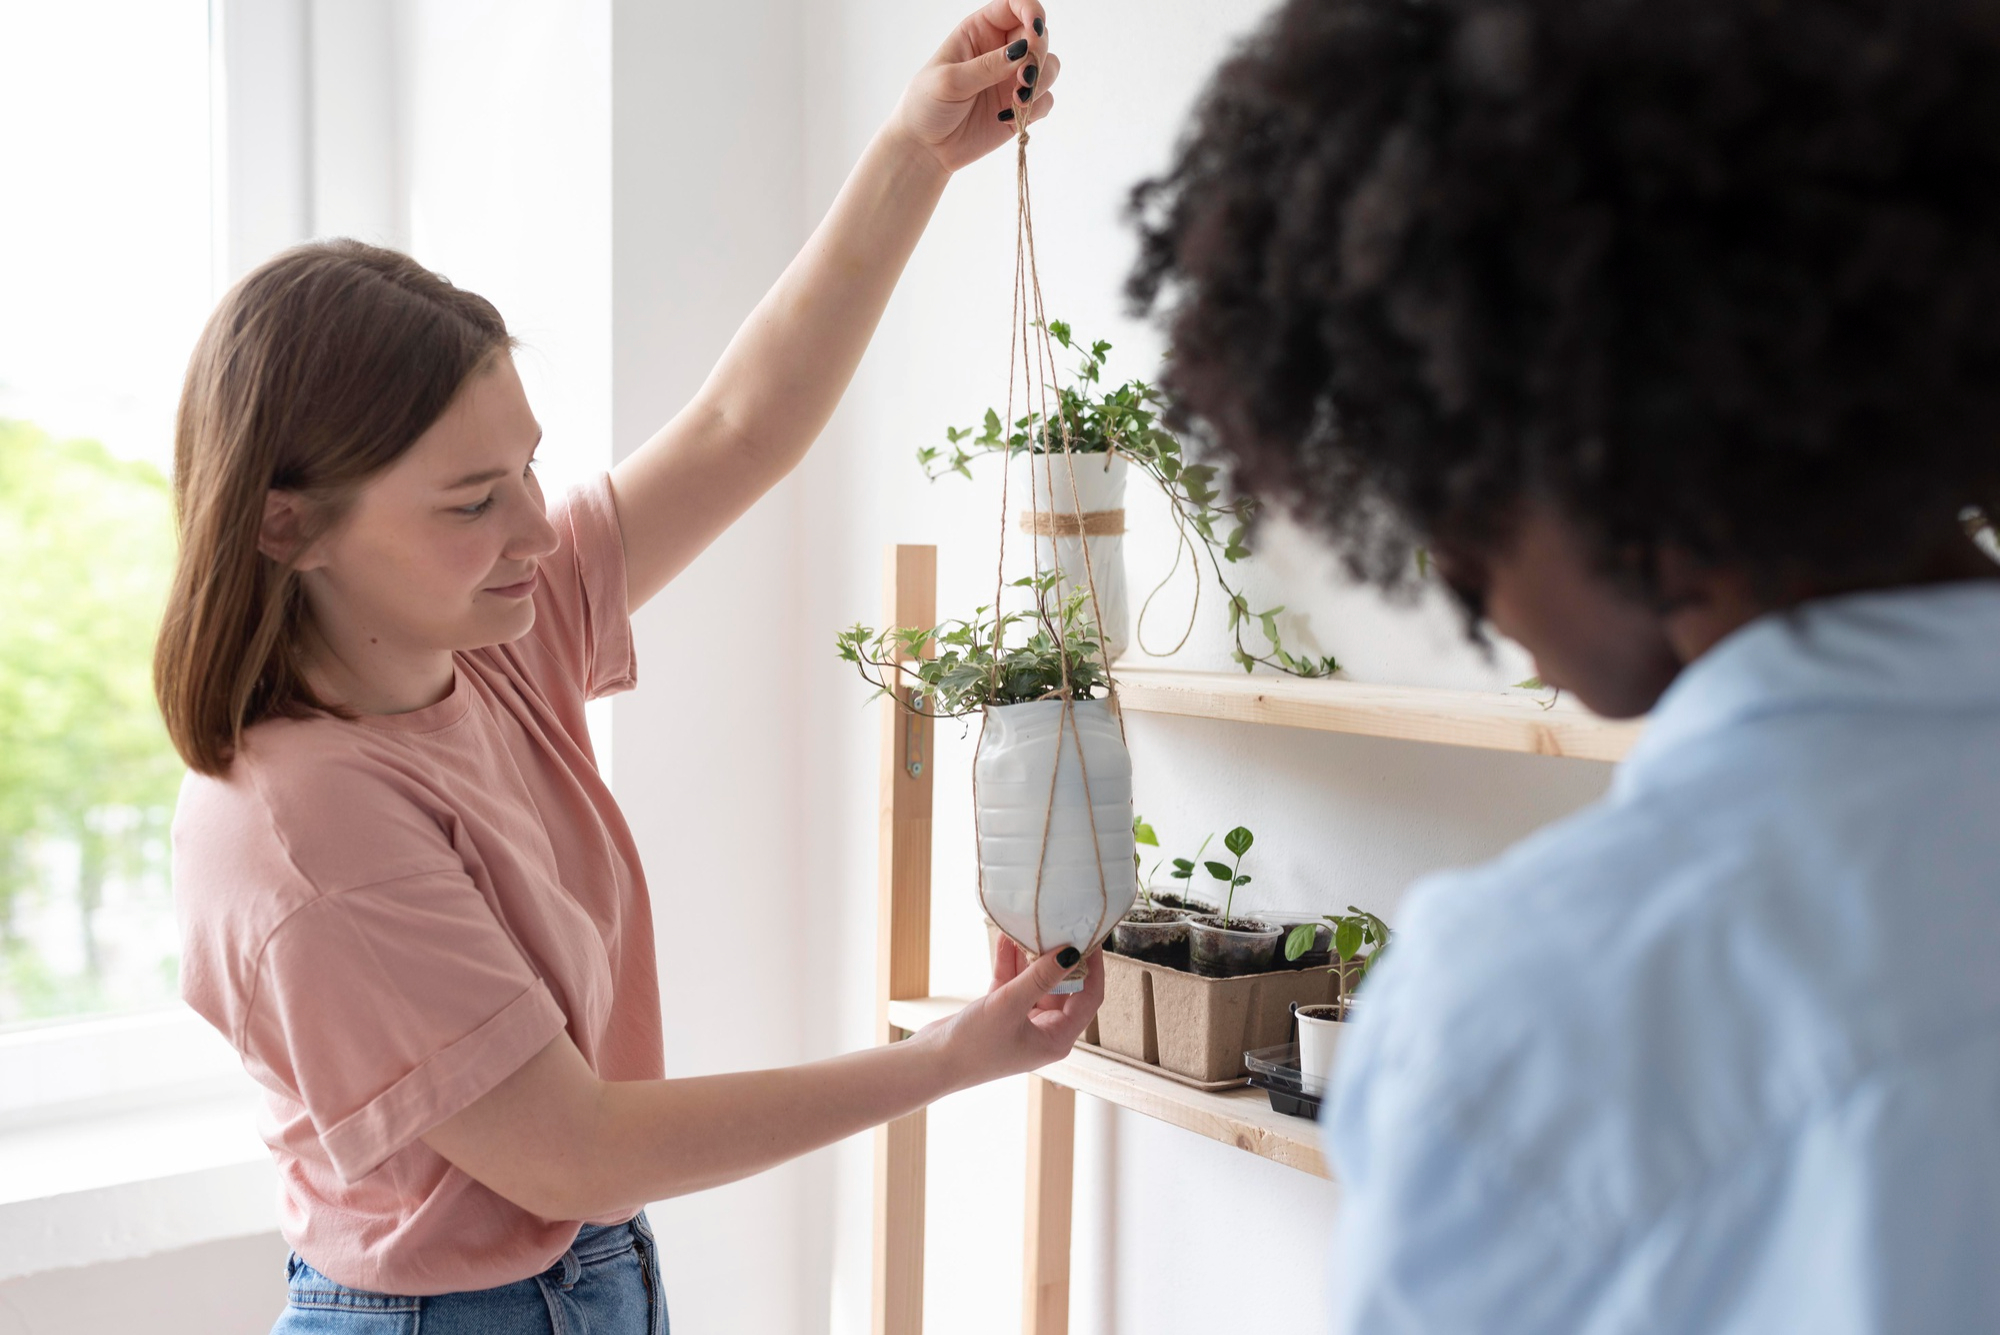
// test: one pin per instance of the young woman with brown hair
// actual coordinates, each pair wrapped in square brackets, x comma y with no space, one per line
[408,897]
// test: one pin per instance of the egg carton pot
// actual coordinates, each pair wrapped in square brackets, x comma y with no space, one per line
[1200,1027]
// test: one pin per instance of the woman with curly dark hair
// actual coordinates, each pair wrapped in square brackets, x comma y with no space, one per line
[1672,331]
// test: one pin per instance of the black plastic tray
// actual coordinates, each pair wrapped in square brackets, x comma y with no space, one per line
[1276,1072]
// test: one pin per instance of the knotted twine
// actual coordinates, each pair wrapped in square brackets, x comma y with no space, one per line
[1029,348]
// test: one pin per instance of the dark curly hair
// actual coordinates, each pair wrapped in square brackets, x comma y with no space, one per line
[1722,275]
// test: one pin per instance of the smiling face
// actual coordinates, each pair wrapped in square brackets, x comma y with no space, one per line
[437,552]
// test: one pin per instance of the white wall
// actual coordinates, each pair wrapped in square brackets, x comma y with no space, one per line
[706,197]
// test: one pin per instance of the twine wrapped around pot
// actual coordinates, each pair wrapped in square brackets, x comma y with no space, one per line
[1051,778]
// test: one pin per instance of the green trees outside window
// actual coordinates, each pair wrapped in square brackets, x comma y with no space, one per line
[87,776]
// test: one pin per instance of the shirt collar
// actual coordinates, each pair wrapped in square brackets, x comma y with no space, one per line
[1936,647]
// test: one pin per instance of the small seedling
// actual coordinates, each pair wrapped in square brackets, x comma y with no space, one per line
[1237,841]
[1142,833]
[1184,872]
[1355,931]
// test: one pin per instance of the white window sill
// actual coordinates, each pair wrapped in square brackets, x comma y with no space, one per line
[133,1182]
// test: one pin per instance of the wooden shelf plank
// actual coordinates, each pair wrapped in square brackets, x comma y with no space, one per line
[913,1013]
[1239,1117]
[1490,720]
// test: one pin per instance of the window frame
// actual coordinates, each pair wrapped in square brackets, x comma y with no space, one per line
[260,151]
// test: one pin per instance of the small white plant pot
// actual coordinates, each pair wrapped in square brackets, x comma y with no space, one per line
[1055,869]
[1093,510]
[1320,1028]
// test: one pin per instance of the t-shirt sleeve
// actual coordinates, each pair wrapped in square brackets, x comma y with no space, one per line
[581,619]
[389,1007]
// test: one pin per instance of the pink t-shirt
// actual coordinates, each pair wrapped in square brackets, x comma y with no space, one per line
[388,916]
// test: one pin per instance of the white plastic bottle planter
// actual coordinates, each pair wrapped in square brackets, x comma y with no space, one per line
[1059,532]
[1086,883]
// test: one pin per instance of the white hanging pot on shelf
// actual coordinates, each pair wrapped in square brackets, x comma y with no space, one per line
[1062,518]
[1055,867]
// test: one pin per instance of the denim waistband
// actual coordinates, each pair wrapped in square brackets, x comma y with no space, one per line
[594,1242]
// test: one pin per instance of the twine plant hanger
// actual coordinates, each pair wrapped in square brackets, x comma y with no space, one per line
[1029,349]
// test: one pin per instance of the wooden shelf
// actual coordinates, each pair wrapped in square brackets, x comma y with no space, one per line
[1491,720]
[1239,1117]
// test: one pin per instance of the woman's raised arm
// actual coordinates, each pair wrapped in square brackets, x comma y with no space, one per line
[769,397]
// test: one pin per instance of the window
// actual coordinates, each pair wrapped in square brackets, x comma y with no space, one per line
[105,278]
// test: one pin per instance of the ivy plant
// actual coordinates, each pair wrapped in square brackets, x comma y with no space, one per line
[1127,420]
[957,668]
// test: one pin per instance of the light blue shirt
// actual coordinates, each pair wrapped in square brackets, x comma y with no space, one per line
[1720,1053]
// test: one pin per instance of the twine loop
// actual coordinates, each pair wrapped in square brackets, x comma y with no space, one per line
[1029,348]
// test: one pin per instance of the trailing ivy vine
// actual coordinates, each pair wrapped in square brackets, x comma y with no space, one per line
[1127,420]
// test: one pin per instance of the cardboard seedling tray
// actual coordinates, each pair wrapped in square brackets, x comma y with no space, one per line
[1196,1027]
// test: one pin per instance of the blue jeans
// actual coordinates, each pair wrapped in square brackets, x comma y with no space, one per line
[607,1283]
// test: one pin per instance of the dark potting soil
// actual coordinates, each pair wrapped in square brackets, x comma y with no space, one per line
[1242,922]
[1187,905]
[1238,955]
[1153,915]
[1173,954]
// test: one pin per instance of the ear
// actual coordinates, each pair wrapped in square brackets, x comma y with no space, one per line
[283,531]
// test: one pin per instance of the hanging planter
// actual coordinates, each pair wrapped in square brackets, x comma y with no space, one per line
[1052,778]
[1088,423]
[1076,497]
[1052,794]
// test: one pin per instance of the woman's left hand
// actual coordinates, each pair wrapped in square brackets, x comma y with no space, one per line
[968,100]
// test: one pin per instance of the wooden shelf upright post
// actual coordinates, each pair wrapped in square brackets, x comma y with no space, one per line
[903,954]
[1051,1170]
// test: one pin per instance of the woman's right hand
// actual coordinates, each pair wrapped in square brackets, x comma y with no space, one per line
[1019,1025]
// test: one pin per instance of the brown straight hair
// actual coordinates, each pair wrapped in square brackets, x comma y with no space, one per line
[317,371]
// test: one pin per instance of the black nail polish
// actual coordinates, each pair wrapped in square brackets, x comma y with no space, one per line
[1019,49]
[1068,956]
[1023,94]
[1008,114]
[1029,74]
[1038,27]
